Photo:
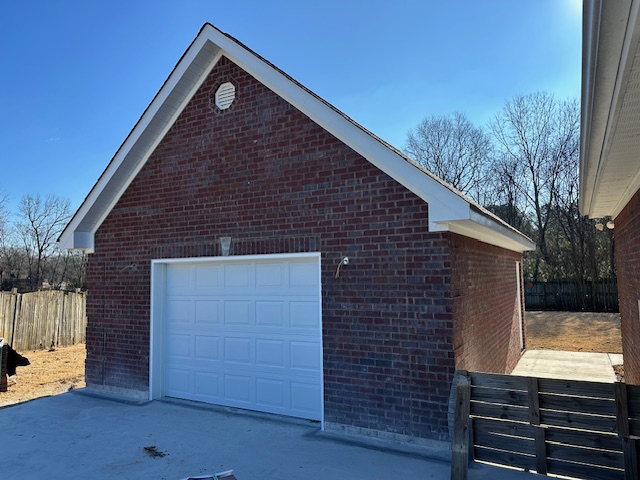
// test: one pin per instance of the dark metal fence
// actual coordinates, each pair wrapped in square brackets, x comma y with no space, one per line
[572,295]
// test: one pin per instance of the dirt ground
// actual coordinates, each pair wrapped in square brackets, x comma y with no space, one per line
[573,331]
[50,373]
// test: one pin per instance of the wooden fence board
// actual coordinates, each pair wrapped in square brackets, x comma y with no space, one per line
[592,423]
[570,453]
[526,462]
[633,405]
[630,453]
[634,427]
[504,397]
[541,450]
[577,388]
[461,436]
[534,401]
[505,382]
[566,403]
[504,442]
[502,412]
[41,320]
[7,315]
[504,428]
[602,441]
[560,427]
[589,472]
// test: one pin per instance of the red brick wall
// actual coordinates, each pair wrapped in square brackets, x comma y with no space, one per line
[627,250]
[486,334]
[266,175]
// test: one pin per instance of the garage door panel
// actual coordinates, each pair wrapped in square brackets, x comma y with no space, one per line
[270,313]
[305,356]
[207,311]
[271,393]
[304,314]
[179,279]
[179,381]
[237,350]
[237,312]
[207,277]
[271,352]
[238,388]
[269,275]
[208,385]
[179,311]
[246,334]
[179,346]
[305,397]
[207,347]
[303,274]
[237,275]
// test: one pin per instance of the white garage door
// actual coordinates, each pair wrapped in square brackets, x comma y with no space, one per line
[245,333]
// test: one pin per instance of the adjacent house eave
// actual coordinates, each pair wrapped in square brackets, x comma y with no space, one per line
[610,124]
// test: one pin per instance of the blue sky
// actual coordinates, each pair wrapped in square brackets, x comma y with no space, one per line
[75,76]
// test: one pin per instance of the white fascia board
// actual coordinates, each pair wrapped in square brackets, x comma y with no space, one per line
[610,39]
[590,29]
[488,232]
[499,233]
[68,237]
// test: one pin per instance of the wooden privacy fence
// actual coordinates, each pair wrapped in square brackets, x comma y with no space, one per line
[579,429]
[30,321]
[572,295]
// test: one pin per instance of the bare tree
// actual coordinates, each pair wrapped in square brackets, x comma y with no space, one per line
[538,139]
[67,269]
[39,225]
[9,265]
[453,149]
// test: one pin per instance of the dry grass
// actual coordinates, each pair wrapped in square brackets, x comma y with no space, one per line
[50,373]
[573,331]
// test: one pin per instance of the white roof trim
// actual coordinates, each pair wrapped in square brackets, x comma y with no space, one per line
[611,32]
[448,209]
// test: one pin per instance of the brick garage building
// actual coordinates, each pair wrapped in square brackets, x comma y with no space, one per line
[251,246]
[610,149]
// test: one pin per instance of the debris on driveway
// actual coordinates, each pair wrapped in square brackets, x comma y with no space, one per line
[153,452]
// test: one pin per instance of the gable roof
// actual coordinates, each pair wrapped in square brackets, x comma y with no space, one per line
[449,210]
[610,126]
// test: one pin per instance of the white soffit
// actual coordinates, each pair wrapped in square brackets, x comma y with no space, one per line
[610,150]
[446,205]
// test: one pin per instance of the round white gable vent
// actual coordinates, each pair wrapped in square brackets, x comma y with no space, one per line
[225,95]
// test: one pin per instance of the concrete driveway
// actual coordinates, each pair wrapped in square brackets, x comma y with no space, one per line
[582,366]
[76,436]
